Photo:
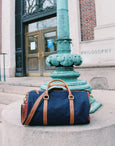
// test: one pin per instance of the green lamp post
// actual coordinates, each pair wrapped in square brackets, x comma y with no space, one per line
[64,60]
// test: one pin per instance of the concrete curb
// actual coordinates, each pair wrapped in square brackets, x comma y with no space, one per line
[101,130]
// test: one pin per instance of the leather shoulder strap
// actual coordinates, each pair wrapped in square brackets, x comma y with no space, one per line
[34,108]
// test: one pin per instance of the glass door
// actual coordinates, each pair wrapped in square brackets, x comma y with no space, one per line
[33,58]
[49,47]
[39,45]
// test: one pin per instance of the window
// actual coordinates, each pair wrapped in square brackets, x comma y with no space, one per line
[47,23]
[31,6]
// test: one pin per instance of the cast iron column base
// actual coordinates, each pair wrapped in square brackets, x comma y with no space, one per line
[70,77]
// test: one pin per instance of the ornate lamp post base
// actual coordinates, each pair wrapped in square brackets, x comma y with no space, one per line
[95,105]
[70,77]
[64,60]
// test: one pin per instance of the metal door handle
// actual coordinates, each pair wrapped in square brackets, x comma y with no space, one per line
[38,55]
[42,54]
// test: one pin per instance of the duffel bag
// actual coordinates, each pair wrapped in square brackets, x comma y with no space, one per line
[56,107]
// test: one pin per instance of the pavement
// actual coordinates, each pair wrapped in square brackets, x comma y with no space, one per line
[16,88]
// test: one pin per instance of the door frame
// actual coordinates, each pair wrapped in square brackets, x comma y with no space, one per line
[34,55]
[48,30]
[41,52]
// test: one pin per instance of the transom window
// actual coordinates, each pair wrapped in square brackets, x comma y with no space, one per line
[31,6]
[43,24]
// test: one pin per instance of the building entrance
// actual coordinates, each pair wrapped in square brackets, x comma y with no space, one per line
[39,45]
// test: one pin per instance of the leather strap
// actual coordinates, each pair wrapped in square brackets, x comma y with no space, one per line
[45,111]
[34,108]
[70,94]
[37,91]
[71,101]
[23,113]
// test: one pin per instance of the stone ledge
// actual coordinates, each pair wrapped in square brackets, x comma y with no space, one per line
[2,106]
[100,131]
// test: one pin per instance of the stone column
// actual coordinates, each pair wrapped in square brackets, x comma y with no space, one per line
[8,35]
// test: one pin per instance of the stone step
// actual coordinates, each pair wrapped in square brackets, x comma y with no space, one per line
[22,85]
[2,106]
[26,81]
[6,98]
[101,130]
[0,134]
[15,89]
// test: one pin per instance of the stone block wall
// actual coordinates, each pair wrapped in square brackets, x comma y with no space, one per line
[0,25]
[87,19]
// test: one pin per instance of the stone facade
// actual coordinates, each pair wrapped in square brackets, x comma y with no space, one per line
[92,30]
[0,25]
[99,54]
[8,36]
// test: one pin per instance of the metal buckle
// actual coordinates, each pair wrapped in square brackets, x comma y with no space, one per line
[70,97]
[24,99]
[46,97]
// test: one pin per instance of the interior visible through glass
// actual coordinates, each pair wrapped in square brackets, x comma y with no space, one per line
[47,23]
[50,41]
[32,44]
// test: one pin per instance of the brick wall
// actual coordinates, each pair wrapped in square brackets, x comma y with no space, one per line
[0,25]
[87,19]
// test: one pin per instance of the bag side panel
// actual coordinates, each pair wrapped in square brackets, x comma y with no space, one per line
[38,116]
[81,107]
[58,108]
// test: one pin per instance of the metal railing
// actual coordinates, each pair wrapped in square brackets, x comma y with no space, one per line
[4,75]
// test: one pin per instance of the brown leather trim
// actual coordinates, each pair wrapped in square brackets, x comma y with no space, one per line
[65,85]
[22,113]
[35,106]
[45,111]
[37,91]
[71,101]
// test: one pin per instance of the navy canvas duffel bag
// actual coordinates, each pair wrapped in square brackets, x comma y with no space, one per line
[56,107]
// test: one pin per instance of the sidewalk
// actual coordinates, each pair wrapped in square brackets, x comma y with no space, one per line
[15,89]
[26,81]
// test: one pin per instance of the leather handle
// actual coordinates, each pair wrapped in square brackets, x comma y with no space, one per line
[57,85]
[65,85]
